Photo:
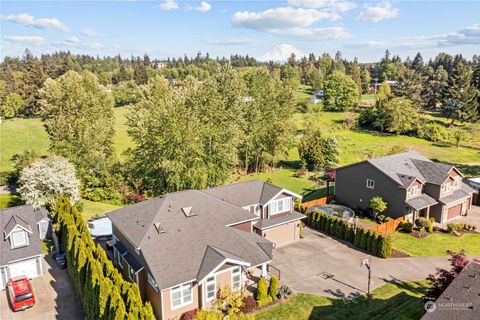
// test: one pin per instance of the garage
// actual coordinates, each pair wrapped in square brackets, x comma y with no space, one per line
[454,211]
[283,234]
[29,267]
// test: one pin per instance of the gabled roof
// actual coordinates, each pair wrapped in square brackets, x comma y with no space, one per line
[177,255]
[27,218]
[214,258]
[421,202]
[247,193]
[405,167]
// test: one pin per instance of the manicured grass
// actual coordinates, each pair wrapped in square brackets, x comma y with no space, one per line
[367,221]
[402,300]
[18,135]
[92,209]
[436,244]
[319,193]
[8,200]
[284,178]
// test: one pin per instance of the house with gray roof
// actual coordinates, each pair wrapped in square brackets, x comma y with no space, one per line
[182,247]
[412,185]
[20,247]
[460,300]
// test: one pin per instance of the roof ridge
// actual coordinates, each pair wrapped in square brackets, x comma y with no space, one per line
[223,201]
[153,220]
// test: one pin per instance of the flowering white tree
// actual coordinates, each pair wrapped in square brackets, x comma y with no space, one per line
[45,179]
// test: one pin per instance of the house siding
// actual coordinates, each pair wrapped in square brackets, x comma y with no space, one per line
[351,188]
[416,184]
[168,313]
[246,226]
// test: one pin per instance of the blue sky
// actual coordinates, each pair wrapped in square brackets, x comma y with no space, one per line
[263,29]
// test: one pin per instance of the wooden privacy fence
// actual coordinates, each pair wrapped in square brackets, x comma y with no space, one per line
[317,202]
[388,227]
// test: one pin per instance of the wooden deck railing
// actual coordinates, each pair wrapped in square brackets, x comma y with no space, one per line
[388,227]
[274,271]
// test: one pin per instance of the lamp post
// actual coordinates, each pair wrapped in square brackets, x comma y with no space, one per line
[366,263]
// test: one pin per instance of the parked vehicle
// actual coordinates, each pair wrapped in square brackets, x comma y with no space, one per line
[20,293]
[61,260]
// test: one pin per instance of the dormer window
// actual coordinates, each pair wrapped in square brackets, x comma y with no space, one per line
[281,205]
[19,239]
[446,187]
[413,191]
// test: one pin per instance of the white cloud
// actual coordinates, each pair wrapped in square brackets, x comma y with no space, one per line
[318,33]
[89,32]
[43,23]
[204,7]
[378,13]
[33,40]
[280,18]
[73,40]
[230,42]
[336,5]
[281,53]
[168,5]
[95,46]
[467,36]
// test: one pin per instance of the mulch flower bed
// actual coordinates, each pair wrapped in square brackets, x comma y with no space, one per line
[398,254]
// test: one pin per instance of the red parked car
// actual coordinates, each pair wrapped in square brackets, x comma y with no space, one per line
[20,293]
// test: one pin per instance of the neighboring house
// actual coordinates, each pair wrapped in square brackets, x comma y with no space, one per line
[460,300]
[317,97]
[21,248]
[412,185]
[181,248]
[474,183]
[100,227]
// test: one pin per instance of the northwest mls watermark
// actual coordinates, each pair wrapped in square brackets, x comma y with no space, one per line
[431,306]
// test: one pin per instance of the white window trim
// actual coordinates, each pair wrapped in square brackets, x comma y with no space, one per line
[130,272]
[152,282]
[240,280]
[413,190]
[286,205]
[214,288]
[183,304]
[13,243]
[446,187]
[370,184]
[119,259]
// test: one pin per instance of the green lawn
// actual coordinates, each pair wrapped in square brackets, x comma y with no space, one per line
[401,300]
[436,244]
[284,178]
[92,209]
[18,135]
[7,201]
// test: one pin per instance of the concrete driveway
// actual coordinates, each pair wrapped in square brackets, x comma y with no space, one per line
[55,297]
[320,265]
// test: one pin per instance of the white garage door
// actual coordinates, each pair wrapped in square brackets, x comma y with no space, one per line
[25,267]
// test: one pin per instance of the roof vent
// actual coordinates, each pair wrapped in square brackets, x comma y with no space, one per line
[188,212]
[160,228]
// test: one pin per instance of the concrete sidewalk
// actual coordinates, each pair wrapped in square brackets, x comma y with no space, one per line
[320,265]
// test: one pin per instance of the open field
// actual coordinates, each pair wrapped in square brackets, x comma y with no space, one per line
[400,300]
[92,209]
[436,244]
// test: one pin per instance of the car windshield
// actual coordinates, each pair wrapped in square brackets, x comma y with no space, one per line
[23,297]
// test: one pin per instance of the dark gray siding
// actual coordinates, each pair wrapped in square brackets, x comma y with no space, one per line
[351,188]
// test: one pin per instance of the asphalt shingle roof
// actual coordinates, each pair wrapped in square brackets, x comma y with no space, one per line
[22,215]
[267,223]
[421,202]
[457,195]
[461,299]
[178,254]
[245,193]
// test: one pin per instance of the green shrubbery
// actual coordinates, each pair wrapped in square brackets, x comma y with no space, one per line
[101,289]
[406,226]
[262,293]
[460,226]
[377,245]
[273,288]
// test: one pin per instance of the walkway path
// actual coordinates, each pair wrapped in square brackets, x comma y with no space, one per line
[320,265]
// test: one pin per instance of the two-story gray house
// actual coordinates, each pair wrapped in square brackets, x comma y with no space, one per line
[20,247]
[412,185]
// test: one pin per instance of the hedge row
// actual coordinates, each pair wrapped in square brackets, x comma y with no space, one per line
[103,292]
[368,240]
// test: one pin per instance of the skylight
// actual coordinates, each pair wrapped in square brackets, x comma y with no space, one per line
[160,228]
[188,212]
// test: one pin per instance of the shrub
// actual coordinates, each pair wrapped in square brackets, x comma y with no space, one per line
[357,237]
[189,315]
[452,227]
[422,222]
[273,288]
[430,226]
[384,247]
[370,236]
[387,219]
[406,226]
[262,292]
[134,198]
[380,218]
[327,225]
[249,304]
[317,220]
[349,235]
[375,245]
[284,291]
[363,240]
[433,132]
[421,232]
[323,221]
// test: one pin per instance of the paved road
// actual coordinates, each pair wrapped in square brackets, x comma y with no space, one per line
[318,264]
[54,295]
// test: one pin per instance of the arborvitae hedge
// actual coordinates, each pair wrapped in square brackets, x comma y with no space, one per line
[103,292]
[377,245]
